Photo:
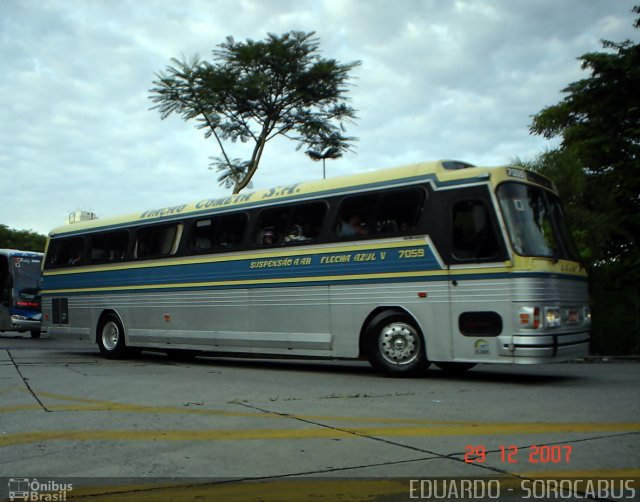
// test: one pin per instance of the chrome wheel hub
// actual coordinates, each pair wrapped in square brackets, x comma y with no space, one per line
[399,343]
[110,335]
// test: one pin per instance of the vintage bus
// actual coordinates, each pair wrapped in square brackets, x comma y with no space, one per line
[437,262]
[20,277]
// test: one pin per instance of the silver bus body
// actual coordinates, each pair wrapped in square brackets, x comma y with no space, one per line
[394,293]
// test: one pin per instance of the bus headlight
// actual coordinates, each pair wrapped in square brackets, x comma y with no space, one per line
[586,315]
[552,318]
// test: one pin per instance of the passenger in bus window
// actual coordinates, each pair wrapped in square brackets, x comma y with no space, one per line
[75,258]
[387,227]
[268,237]
[296,234]
[352,226]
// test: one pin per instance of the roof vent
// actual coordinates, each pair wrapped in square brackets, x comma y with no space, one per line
[455,165]
[78,216]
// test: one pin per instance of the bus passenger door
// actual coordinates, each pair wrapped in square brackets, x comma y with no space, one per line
[479,295]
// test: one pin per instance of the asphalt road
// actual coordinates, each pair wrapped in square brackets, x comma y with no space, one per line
[151,428]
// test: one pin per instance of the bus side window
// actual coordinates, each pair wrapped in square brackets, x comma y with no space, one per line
[399,211]
[215,234]
[65,252]
[272,225]
[291,224]
[230,231]
[305,223]
[108,246]
[157,240]
[202,235]
[356,215]
[474,237]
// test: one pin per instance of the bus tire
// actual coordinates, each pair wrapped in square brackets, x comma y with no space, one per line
[452,367]
[111,337]
[395,346]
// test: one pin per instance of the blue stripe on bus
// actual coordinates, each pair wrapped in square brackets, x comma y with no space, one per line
[380,265]
[276,268]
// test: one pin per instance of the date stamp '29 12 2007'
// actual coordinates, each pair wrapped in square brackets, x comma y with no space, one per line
[534,454]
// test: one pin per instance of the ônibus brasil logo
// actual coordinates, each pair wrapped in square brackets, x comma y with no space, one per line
[38,491]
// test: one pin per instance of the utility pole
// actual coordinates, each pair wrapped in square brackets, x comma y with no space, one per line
[330,153]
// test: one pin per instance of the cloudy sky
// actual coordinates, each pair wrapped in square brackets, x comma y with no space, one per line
[439,79]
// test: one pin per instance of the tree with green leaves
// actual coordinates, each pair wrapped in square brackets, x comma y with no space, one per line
[24,240]
[599,123]
[255,91]
[597,170]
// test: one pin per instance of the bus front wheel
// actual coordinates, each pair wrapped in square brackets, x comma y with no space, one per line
[395,345]
[111,337]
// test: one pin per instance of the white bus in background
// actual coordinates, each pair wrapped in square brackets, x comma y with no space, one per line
[20,281]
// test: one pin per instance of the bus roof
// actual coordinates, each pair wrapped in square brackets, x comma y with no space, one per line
[445,172]
[18,252]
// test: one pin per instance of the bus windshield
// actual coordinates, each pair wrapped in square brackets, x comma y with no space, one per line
[535,222]
[26,282]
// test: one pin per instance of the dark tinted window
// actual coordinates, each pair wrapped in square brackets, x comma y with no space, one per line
[291,225]
[356,215]
[217,233]
[399,211]
[157,240]
[65,252]
[474,237]
[108,246]
[379,214]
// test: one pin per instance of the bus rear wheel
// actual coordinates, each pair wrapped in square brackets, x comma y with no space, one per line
[111,337]
[395,346]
